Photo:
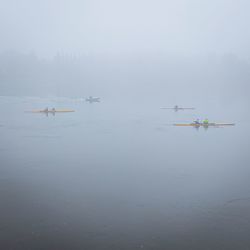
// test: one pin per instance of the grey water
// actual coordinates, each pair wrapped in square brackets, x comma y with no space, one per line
[113,175]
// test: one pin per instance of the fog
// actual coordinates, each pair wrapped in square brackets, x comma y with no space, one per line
[116,173]
[180,27]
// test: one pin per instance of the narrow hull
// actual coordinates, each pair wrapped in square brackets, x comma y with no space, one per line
[50,111]
[178,108]
[203,125]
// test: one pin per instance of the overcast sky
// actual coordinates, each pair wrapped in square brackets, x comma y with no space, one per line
[184,27]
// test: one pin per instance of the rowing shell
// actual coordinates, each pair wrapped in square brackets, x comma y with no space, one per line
[202,124]
[177,108]
[51,111]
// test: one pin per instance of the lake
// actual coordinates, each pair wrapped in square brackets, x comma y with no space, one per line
[121,176]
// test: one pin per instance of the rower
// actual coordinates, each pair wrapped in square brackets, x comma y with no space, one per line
[176,107]
[53,110]
[197,122]
[206,122]
[46,110]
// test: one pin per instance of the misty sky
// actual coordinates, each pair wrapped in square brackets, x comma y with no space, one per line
[185,27]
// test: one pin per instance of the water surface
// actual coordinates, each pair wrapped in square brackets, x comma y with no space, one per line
[120,176]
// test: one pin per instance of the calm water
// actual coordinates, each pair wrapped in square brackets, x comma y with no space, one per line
[118,176]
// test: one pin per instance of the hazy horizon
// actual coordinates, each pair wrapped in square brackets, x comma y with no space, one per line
[182,27]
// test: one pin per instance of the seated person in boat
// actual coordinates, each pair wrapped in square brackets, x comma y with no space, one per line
[197,122]
[206,122]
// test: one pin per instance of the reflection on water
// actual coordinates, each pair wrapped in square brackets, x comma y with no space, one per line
[111,178]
